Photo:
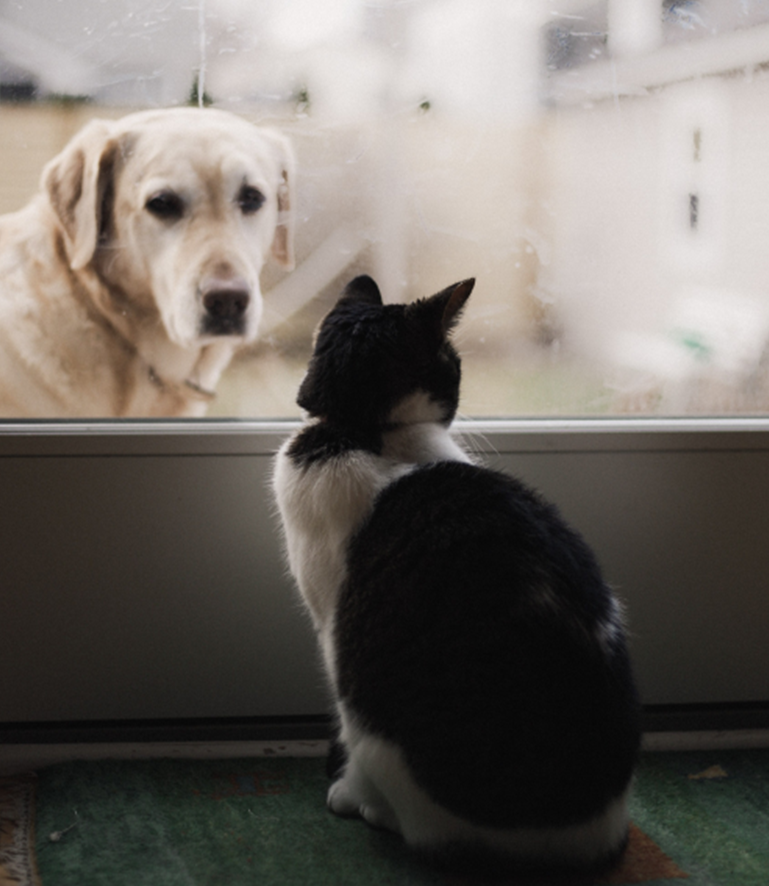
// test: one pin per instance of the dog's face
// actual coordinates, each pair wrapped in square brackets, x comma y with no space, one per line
[177,211]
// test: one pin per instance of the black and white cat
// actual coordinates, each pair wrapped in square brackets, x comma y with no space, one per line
[486,705]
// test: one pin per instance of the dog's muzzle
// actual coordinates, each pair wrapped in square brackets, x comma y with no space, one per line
[225,306]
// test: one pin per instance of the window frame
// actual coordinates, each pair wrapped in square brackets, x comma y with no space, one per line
[502,443]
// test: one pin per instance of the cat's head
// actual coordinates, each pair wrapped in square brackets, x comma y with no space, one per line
[376,365]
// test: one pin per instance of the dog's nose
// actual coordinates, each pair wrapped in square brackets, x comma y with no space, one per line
[226,298]
[225,302]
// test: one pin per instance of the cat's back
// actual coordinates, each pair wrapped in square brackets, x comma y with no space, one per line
[476,536]
[474,630]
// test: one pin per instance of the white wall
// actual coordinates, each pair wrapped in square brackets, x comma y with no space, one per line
[629,274]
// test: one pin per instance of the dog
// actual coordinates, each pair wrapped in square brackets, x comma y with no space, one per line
[129,281]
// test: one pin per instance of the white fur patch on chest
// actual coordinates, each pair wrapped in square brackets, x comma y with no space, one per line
[417,408]
[323,503]
[422,443]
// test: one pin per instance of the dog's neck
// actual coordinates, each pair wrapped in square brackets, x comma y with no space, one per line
[189,373]
[188,389]
[197,382]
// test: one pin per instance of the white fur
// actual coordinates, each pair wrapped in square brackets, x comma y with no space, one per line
[417,408]
[611,630]
[379,786]
[321,506]
[422,443]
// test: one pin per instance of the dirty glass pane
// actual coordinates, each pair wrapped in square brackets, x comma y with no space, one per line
[600,166]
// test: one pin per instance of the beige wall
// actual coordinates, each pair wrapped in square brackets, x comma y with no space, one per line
[29,137]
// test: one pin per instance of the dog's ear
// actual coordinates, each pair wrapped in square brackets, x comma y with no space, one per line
[77,181]
[283,241]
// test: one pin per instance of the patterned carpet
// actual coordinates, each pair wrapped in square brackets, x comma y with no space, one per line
[702,816]
[17,851]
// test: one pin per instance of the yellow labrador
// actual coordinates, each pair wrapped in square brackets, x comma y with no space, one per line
[127,284]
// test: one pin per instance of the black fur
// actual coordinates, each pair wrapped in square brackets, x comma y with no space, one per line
[329,440]
[369,356]
[482,865]
[507,711]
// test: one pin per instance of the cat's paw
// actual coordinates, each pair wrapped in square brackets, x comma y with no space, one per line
[340,799]
[379,817]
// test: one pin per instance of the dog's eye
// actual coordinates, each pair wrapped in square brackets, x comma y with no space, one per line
[250,199]
[165,205]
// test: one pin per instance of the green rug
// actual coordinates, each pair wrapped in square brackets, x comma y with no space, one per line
[701,816]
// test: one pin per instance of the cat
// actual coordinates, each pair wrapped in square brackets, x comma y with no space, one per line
[486,704]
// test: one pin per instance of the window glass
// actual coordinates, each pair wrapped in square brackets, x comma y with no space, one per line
[599,166]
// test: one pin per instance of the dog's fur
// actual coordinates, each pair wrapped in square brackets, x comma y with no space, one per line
[127,284]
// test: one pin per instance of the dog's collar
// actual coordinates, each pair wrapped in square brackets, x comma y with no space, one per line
[119,323]
[199,392]
[187,388]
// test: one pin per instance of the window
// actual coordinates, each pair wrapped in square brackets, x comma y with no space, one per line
[597,165]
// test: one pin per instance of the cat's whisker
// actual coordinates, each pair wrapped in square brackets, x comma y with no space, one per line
[476,442]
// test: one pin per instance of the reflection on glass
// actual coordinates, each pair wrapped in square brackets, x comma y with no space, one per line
[598,165]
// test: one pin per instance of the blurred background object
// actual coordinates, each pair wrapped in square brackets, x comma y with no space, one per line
[600,166]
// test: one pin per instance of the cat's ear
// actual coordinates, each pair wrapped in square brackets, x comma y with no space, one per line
[442,310]
[456,297]
[363,289]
